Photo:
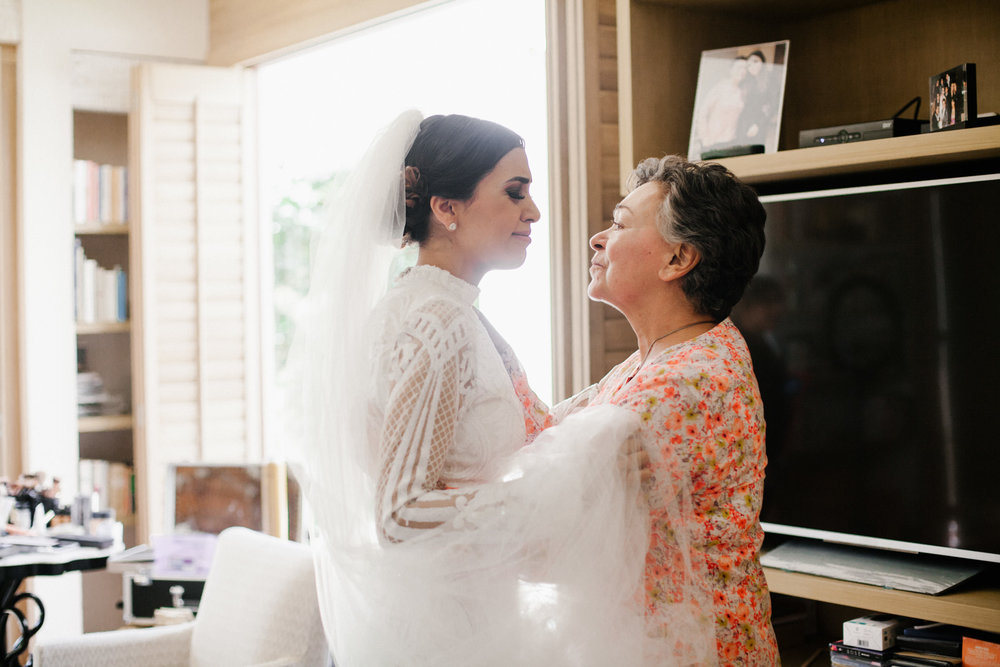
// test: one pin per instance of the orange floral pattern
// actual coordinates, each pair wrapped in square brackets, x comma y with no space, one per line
[537,416]
[700,402]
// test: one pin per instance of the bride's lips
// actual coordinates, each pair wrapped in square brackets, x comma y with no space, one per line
[526,236]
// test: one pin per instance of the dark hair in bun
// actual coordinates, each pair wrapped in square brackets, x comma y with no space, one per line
[448,158]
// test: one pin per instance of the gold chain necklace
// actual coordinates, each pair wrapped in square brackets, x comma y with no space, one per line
[669,333]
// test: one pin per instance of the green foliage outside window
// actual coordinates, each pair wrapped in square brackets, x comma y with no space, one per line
[295,220]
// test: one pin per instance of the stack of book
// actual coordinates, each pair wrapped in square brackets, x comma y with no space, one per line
[100,193]
[101,294]
[110,483]
[855,656]
[93,400]
[915,645]
[932,644]
[90,394]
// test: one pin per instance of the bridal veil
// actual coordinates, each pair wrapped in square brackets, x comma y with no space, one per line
[545,566]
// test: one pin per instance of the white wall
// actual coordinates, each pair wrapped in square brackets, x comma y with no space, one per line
[51,30]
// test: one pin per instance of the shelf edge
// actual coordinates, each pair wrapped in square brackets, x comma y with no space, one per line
[979,609]
[100,423]
[865,156]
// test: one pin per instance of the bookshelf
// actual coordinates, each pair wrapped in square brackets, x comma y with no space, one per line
[103,330]
[107,439]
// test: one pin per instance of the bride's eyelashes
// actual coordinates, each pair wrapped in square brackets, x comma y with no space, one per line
[516,194]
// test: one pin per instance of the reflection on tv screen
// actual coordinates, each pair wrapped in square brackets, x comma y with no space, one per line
[871,324]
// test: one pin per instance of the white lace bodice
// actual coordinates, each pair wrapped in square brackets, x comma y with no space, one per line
[443,408]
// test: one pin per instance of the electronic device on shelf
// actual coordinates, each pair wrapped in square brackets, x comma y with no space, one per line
[880,375]
[876,129]
[866,131]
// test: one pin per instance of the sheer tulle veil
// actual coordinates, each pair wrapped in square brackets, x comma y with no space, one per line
[351,258]
[545,567]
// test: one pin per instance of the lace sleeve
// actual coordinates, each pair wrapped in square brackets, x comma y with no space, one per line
[428,373]
[568,406]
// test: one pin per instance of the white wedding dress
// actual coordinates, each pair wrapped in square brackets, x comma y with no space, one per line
[442,536]
[443,408]
[482,550]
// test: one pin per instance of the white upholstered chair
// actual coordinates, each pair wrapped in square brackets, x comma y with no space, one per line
[258,607]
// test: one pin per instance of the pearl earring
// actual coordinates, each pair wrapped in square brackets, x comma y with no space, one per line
[452,227]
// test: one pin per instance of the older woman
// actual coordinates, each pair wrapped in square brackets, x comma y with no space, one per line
[681,249]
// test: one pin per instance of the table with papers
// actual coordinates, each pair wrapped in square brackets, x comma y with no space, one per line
[28,556]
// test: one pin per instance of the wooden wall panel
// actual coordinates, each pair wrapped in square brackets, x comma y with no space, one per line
[243,31]
[614,347]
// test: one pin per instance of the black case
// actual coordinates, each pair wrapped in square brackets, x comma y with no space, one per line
[142,595]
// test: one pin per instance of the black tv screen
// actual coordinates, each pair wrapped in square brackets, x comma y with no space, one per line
[873,328]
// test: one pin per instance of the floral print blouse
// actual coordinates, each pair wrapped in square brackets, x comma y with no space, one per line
[700,403]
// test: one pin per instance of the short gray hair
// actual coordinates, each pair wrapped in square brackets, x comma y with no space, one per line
[707,207]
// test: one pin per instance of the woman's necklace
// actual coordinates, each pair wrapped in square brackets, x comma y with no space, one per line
[669,333]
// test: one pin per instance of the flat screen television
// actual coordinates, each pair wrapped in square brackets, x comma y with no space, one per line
[874,331]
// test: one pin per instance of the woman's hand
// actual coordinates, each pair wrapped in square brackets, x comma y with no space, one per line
[633,460]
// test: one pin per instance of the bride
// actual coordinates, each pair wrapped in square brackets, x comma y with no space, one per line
[456,523]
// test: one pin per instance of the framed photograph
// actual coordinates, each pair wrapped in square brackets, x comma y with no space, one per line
[209,497]
[953,98]
[737,105]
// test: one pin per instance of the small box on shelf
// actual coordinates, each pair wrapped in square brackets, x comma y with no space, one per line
[872,632]
[977,652]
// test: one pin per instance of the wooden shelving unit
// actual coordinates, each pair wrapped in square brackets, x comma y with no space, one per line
[849,61]
[102,137]
[978,608]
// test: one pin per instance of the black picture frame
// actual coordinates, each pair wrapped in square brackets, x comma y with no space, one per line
[953,98]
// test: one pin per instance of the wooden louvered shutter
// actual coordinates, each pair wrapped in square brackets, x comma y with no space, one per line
[196,299]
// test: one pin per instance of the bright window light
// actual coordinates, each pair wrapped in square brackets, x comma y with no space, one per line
[320,108]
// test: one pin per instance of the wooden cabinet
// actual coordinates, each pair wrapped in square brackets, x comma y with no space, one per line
[849,61]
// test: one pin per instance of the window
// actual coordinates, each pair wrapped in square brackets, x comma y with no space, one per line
[320,108]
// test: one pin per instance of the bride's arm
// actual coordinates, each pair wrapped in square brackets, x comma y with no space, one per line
[427,369]
[568,406]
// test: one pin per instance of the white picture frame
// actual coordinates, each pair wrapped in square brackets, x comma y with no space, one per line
[738,101]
